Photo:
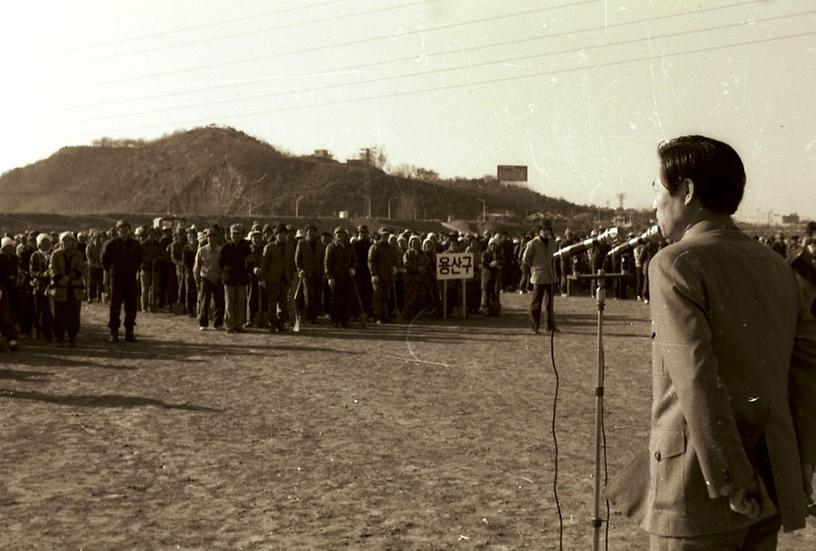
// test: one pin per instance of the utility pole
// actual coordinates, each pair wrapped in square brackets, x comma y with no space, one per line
[484,211]
[297,203]
[366,151]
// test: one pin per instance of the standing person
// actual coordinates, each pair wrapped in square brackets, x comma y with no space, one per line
[177,270]
[308,261]
[38,268]
[25,249]
[491,277]
[417,291]
[93,254]
[150,259]
[361,245]
[188,294]
[538,260]
[122,258]
[733,426]
[67,270]
[232,260]
[340,262]
[8,250]
[208,281]
[256,300]
[272,278]
[382,266]
[8,326]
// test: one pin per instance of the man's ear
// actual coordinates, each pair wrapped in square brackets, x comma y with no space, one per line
[688,190]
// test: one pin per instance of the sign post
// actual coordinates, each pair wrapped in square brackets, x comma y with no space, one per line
[454,266]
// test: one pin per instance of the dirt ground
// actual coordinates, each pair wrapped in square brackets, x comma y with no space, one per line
[433,435]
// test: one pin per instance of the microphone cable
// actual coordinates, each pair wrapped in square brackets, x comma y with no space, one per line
[554,412]
[555,436]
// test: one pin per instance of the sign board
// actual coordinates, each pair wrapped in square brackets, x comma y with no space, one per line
[454,266]
[511,173]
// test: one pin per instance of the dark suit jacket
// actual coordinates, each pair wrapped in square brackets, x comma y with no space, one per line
[727,319]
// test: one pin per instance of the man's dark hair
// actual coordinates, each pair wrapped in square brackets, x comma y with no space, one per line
[714,167]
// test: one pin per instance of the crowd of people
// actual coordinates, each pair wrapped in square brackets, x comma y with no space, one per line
[280,278]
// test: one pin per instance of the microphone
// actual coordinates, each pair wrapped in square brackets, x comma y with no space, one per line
[606,237]
[652,234]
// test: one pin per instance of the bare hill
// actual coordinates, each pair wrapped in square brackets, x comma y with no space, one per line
[222,171]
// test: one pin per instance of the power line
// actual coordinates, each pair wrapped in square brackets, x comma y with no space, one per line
[261,31]
[318,48]
[473,83]
[194,27]
[411,58]
[426,73]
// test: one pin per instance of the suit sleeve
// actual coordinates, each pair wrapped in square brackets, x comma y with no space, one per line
[683,336]
[802,381]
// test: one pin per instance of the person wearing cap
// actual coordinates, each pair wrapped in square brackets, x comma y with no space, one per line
[538,260]
[361,248]
[67,270]
[122,260]
[256,300]
[208,281]
[340,262]
[272,278]
[308,262]
[232,260]
[40,279]
[8,275]
[93,255]
[383,267]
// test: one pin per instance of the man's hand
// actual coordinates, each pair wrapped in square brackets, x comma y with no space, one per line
[262,284]
[302,274]
[375,279]
[745,501]
[394,270]
[331,283]
[352,272]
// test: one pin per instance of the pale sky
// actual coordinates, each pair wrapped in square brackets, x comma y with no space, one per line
[581,91]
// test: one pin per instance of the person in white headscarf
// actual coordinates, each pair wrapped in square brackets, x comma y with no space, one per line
[68,271]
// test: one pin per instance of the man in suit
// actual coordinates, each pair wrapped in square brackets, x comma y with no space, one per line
[733,426]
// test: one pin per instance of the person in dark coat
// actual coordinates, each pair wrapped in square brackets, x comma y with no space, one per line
[122,258]
[383,267]
[491,278]
[340,269]
[38,270]
[361,245]
[308,261]
[272,278]
[232,260]
[8,274]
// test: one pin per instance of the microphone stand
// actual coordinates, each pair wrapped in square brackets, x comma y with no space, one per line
[600,300]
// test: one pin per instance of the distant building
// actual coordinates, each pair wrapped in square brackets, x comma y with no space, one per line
[790,219]
[323,154]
